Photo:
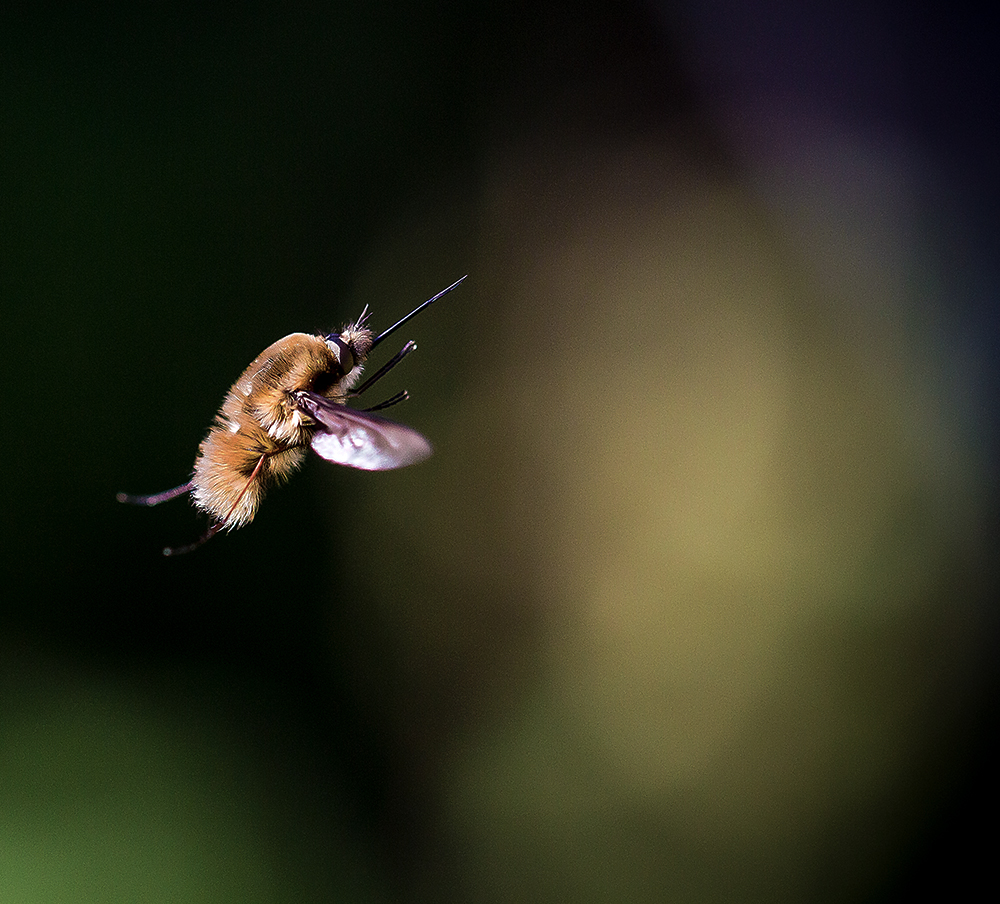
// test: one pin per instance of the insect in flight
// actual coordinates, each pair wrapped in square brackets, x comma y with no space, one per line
[294,394]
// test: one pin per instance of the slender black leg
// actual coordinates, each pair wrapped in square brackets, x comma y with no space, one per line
[204,538]
[155,498]
[410,346]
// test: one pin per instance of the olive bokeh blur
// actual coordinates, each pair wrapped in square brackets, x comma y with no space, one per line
[693,601]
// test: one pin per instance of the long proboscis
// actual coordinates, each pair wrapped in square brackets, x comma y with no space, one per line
[416,311]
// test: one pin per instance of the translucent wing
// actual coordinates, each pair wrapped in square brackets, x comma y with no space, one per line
[359,439]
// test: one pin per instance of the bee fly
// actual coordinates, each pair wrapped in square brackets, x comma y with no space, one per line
[293,395]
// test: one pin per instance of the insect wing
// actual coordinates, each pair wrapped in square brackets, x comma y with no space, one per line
[359,439]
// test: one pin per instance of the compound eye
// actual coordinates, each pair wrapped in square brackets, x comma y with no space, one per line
[343,353]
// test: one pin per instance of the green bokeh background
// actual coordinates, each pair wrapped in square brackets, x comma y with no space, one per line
[689,605]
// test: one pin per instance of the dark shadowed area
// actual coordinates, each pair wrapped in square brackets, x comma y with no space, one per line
[693,601]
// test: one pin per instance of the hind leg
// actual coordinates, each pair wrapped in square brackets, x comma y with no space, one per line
[155,498]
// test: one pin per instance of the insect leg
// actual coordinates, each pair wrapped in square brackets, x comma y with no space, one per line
[410,346]
[401,396]
[218,525]
[154,498]
[204,538]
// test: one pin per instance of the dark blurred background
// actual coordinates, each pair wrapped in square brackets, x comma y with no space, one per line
[694,600]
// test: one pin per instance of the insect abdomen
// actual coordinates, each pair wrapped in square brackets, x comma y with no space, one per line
[259,436]
[226,462]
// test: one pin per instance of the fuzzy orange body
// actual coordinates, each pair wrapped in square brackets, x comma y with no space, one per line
[260,436]
[292,397]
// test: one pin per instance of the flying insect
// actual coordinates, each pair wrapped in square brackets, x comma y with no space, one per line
[292,397]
